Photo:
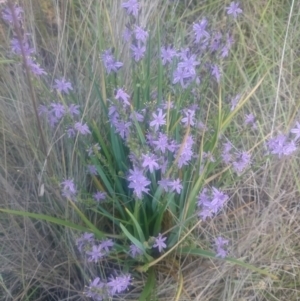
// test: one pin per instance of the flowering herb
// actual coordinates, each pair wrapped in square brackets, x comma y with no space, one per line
[147,154]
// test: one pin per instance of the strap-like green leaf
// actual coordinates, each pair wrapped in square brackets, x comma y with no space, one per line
[203,253]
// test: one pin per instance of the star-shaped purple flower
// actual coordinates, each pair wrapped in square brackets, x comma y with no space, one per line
[110,64]
[62,85]
[175,185]
[160,242]
[140,34]
[158,119]
[167,54]
[138,52]
[82,128]
[138,182]
[122,95]
[233,9]
[135,251]
[150,161]
[200,30]
[220,243]
[132,7]
[99,196]
[68,188]
[96,253]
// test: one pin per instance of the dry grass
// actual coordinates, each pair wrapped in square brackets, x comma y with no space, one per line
[38,261]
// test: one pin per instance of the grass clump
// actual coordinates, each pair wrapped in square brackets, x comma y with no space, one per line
[143,152]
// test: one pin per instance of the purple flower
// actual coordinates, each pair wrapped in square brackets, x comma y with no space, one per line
[150,161]
[188,64]
[71,132]
[229,40]
[250,120]
[138,182]
[167,55]
[161,143]
[122,128]
[226,153]
[84,240]
[296,131]
[122,95]
[73,110]
[180,75]
[140,34]
[95,254]
[211,202]
[215,71]
[52,120]
[99,196]
[189,119]
[164,183]
[58,110]
[204,202]
[127,34]
[119,284]
[136,116]
[241,163]
[34,67]
[43,110]
[183,53]
[16,47]
[234,101]
[185,152]
[62,85]
[215,42]
[113,114]
[68,188]
[220,243]
[218,199]
[138,51]
[7,14]
[132,7]
[172,146]
[280,146]
[199,30]
[96,290]
[168,105]
[158,119]
[82,128]
[106,244]
[135,251]
[92,170]
[204,197]
[175,185]
[160,242]
[233,9]
[163,165]
[110,64]
[289,148]
[224,51]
